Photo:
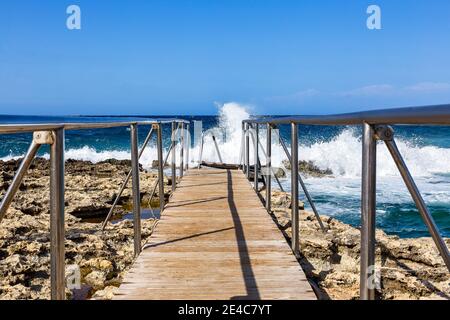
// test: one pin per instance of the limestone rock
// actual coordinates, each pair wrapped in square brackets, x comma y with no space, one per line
[102,256]
[105,294]
[96,279]
[309,168]
[283,199]
[408,268]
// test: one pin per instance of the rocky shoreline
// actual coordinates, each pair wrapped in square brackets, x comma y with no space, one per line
[102,256]
[409,268]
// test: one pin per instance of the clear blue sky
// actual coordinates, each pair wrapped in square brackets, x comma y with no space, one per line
[181,57]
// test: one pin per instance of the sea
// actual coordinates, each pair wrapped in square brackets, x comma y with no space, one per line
[426,150]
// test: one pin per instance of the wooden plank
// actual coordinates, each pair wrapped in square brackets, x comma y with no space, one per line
[215,241]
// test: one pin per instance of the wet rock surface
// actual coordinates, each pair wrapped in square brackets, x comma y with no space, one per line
[279,172]
[90,188]
[100,256]
[407,268]
[309,169]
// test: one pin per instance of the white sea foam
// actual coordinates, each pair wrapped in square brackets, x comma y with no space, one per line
[343,156]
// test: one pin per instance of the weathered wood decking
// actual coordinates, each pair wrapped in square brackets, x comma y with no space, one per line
[215,240]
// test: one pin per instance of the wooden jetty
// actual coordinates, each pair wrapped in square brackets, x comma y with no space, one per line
[215,240]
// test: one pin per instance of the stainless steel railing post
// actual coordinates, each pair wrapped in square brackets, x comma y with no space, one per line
[188,144]
[241,149]
[200,155]
[273,172]
[302,184]
[294,189]
[57,250]
[255,180]
[125,182]
[152,194]
[18,177]
[247,151]
[160,169]
[368,207]
[269,168]
[135,189]
[173,166]
[181,150]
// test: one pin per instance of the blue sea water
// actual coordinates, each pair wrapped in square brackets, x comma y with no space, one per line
[426,150]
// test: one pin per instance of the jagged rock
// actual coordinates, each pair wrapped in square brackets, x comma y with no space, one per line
[102,256]
[283,199]
[279,172]
[16,292]
[105,294]
[409,268]
[96,279]
[99,264]
[90,188]
[155,164]
[309,168]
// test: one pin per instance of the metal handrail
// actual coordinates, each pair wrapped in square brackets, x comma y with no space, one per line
[31,127]
[435,115]
[375,127]
[53,134]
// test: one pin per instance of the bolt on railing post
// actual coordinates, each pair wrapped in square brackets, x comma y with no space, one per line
[173,166]
[188,144]
[368,213]
[294,189]
[160,169]
[181,149]
[247,151]
[256,157]
[135,189]
[269,168]
[57,250]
